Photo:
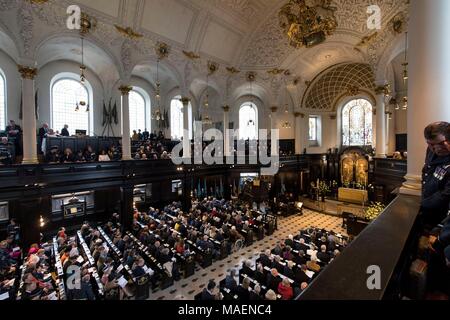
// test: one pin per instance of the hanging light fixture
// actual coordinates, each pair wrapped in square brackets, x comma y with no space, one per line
[157,114]
[405,73]
[83,80]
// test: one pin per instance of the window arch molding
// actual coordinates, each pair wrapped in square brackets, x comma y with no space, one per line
[3,100]
[90,95]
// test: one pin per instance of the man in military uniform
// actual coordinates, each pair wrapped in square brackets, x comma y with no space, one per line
[436,174]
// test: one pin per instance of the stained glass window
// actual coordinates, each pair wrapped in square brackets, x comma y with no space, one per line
[248,121]
[176,119]
[357,129]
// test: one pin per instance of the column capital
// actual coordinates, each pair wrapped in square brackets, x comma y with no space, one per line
[226,108]
[125,90]
[185,101]
[383,89]
[299,114]
[274,109]
[27,72]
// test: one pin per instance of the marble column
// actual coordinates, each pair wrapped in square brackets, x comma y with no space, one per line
[226,124]
[429,80]
[273,126]
[126,139]
[381,92]
[29,115]
[299,136]
[186,141]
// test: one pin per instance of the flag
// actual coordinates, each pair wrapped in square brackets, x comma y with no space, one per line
[21,108]
[199,189]
[114,114]
[36,105]
[105,114]
[206,189]
[221,187]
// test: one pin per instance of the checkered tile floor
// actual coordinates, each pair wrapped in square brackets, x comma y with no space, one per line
[186,289]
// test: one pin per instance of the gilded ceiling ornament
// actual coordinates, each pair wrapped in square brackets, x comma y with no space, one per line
[128,32]
[251,76]
[38,1]
[398,23]
[233,70]
[87,23]
[386,90]
[212,67]
[162,50]
[191,55]
[125,90]
[367,40]
[307,26]
[275,71]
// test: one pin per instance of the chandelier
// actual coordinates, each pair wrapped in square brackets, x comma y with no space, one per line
[162,52]
[82,103]
[307,25]
[405,73]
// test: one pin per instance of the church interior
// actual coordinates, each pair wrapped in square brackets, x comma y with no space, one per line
[231,150]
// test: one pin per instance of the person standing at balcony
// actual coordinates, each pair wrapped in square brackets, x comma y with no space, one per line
[436,175]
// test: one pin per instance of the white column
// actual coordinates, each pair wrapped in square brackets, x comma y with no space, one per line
[126,140]
[429,80]
[299,141]
[381,121]
[273,126]
[226,140]
[29,115]
[186,141]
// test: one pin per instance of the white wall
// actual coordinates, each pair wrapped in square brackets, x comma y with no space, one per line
[13,87]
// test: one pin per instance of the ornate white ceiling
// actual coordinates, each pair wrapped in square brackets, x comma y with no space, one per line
[235,33]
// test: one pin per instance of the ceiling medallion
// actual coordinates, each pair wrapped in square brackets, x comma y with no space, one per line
[307,26]
[128,32]
[399,23]
[250,76]
[162,50]
[87,23]
[212,67]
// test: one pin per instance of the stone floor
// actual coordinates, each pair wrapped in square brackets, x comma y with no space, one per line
[186,289]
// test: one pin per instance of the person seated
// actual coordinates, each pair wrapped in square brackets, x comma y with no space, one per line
[287,255]
[6,152]
[79,157]
[300,258]
[54,156]
[114,154]
[285,290]
[300,274]
[290,241]
[255,294]
[288,270]
[68,156]
[247,269]
[323,255]
[301,245]
[243,291]
[65,131]
[230,281]
[271,295]
[103,157]
[273,280]
[134,136]
[208,293]
[90,155]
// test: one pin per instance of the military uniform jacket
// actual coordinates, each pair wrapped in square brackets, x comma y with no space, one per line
[436,185]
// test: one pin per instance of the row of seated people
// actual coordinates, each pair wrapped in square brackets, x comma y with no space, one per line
[287,270]
[55,155]
[10,262]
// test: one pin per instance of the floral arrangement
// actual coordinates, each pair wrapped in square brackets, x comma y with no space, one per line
[323,188]
[374,210]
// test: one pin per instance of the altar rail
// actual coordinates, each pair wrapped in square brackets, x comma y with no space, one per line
[385,243]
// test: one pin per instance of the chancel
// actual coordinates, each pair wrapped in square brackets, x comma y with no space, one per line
[223,150]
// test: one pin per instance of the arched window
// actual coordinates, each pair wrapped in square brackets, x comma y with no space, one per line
[176,118]
[2,101]
[138,112]
[66,94]
[357,123]
[248,121]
